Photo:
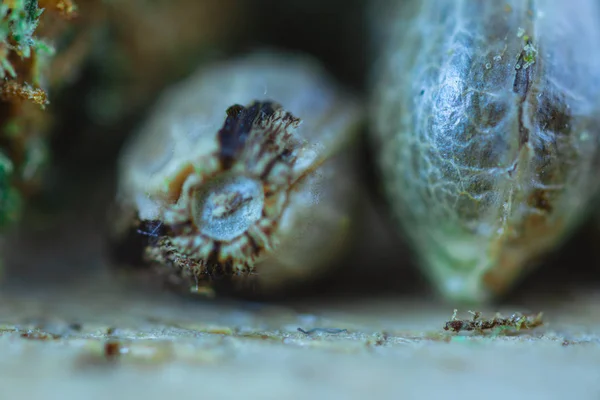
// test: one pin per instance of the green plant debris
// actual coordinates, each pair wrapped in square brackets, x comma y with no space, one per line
[497,324]
[19,20]
[529,54]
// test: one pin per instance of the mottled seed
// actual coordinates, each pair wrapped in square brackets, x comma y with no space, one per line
[256,177]
[489,171]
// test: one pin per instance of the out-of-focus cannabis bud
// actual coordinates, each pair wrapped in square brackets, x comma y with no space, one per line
[33,61]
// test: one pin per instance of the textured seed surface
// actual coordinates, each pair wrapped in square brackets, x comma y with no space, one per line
[486,120]
[248,161]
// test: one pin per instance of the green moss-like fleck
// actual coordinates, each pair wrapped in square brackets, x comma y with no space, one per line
[529,55]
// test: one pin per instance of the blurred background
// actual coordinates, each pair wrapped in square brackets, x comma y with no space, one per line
[78,80]
[111,61]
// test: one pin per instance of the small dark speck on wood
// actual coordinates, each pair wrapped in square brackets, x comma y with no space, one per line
[324,330]
[112,350]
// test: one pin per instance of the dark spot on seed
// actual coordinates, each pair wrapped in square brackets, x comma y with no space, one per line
[539,199]
[553,114]
[521,86]
[285,154]
[486,112]
[213,257]
[237,127]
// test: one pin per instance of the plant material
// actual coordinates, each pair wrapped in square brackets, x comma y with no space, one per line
[516,321]
[41,47]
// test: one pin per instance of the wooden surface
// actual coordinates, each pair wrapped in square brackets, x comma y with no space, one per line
[96,343]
